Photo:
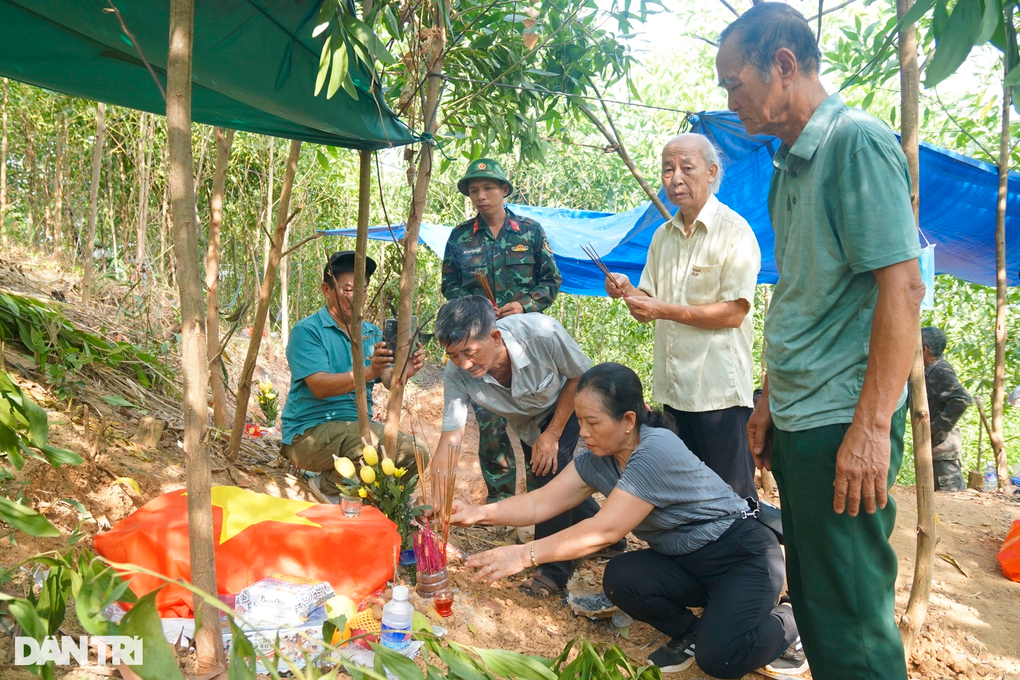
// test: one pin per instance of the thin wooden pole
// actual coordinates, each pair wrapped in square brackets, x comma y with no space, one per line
[768,481]
[998,383]
[208,638]
[266,292]
[924,478]
[144,187]
[90,239]
[224,141]
[434,68]
[358,304]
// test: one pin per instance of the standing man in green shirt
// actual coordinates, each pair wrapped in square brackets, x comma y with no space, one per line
[841,333]
[514,255]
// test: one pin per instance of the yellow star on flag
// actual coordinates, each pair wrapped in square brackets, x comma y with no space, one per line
[243,508]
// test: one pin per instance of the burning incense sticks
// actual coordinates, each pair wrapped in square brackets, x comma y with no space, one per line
[483,281]
[594,256]
[433,534]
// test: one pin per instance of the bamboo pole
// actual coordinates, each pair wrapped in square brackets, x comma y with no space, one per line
[998,383]
[58,184]
[924,484]
[224,141]
[434,68]
[266,292]
[208,638]
[360,290]
[90,239]
[144,186]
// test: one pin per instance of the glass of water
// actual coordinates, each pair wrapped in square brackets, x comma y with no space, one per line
[351,506]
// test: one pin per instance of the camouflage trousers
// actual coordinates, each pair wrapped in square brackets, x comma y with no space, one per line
[496,456]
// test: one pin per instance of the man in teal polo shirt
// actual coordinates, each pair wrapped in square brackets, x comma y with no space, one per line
[320,419]
[841,332]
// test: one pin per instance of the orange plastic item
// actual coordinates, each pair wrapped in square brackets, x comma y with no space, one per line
[256,535]
[1009,554]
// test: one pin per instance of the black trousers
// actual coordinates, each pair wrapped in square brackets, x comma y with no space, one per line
[559,572]
[719,438]
[737,579]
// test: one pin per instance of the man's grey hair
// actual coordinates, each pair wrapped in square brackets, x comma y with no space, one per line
[767,27]
[466,318]
[707,150]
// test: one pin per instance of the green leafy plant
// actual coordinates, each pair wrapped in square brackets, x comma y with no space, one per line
[62,350]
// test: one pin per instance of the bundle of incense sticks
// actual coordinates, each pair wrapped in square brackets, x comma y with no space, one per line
[483,281]
[594,256]
[433,534]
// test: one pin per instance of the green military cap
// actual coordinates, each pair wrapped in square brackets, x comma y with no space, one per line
[484,168]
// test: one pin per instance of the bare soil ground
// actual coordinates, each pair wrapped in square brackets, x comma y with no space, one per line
[973,625]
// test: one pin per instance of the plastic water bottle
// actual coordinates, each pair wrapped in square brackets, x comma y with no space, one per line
[397,616]
[991,478]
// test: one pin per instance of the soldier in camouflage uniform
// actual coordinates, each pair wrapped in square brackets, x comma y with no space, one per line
[514,254]
[947,400]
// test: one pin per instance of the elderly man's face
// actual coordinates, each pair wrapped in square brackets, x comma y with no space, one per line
[686,175]
[476,355]
[758,104]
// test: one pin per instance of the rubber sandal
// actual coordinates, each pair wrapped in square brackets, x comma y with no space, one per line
[540,587]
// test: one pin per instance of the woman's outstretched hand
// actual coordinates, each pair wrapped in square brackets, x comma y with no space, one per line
[464,514]
[494,564]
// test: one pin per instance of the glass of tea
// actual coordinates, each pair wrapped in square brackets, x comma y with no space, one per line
[443,600]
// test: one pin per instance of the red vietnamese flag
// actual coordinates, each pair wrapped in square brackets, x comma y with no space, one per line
[256,535]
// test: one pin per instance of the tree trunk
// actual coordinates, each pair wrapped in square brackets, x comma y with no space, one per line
[244,382]
[269,205]
[144,187]
[998,384]
[361,395]
[195,369]
[224,140]
[58,184]
[284,292]
[3,166]
[924,560]
[90,239]
[434,67]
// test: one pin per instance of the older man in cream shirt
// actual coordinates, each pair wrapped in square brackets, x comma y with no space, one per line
[698,287]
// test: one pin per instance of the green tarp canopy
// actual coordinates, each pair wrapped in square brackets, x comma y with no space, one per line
[254,65]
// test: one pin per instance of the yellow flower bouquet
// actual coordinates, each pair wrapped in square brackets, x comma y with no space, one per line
[382,484]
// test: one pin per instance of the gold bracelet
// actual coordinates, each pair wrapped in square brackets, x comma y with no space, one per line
[534,562]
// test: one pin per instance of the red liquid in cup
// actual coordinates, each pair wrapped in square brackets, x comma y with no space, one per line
[444,604]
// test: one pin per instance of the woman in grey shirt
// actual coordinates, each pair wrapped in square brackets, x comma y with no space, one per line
[705,550]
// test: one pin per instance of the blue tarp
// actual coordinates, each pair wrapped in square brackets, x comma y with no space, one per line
[958,200]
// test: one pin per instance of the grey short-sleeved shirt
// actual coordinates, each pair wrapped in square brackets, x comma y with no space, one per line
[542,358]
[663,471]
[840,207]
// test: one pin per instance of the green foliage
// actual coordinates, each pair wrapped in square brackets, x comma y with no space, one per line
[62,350]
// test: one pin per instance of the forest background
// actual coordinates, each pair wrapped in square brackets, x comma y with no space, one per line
[49,138]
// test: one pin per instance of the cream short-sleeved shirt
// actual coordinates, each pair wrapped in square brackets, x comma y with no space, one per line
[697,369]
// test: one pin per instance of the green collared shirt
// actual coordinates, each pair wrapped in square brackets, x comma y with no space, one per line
[317,345]
[518,263]
[840,208]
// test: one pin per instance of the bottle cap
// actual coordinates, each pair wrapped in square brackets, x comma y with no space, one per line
[399,592]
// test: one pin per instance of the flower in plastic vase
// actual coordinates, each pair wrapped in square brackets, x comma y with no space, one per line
[399,472]
[388,467]
[363,492]
[369,455]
